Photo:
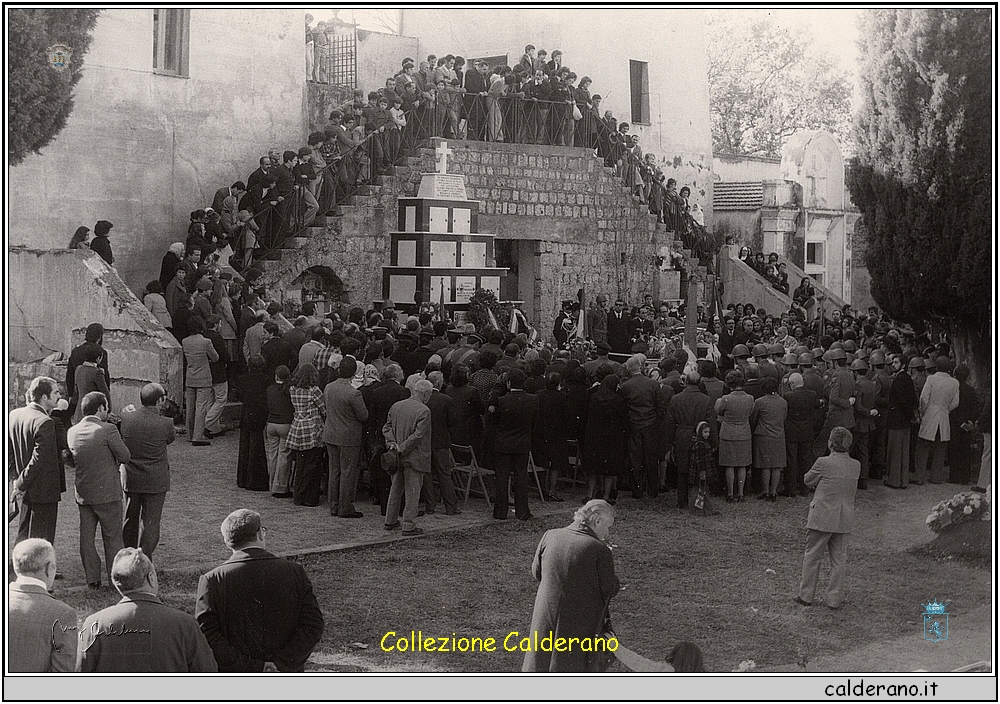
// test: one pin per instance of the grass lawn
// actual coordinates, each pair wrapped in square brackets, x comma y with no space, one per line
[705,579]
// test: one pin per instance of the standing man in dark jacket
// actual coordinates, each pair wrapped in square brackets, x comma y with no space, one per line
[516,416]
[258,611]
[382,399]
[801,425]
[902,409]
[147,474]
[444,416]
[343,433]
[619,328]
[33,464]
[642,396]
[687,409]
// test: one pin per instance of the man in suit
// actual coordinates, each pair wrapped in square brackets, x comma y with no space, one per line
[642,396]
[902,407]
[199,353]
[444,416]
[408,431]
[33,463]
[41,629]
[343,433]
[237,190]
[597,320]
[801,425]
[865,397]
[276,350]
[686,410]
[619,328]
[257,176]
[516,415]
[258,611]
[140,633]
[146,434]
[831,518]
[98,451]
[938,398]
[383,398]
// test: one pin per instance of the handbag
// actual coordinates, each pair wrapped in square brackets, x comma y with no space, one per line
[577,115]
[701,505]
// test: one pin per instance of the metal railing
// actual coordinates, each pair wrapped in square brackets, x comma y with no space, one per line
[509,119]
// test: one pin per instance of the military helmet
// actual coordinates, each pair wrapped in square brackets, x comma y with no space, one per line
[877,358]
[837,353]
[801,349]
[741,351]
[850,346]
[864,353]
[775,349]
[760,350]
[916,363]
[790,359]
[837,345]
[859,365]
[805,360]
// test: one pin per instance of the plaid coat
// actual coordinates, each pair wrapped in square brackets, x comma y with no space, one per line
[307,424]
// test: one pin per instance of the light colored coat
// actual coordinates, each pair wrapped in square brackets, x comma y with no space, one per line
[835,478]
[42,631]
[345,414]
[98,451]
[938,398]
[199,353]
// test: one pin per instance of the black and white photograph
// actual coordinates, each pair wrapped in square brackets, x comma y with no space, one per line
[427,348]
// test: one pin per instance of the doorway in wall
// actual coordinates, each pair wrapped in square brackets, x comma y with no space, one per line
[522,283]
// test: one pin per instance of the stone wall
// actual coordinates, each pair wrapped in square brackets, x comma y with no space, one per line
[590,232]
[143,149]
[54,295]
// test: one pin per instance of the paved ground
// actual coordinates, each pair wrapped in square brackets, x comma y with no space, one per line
[203,491]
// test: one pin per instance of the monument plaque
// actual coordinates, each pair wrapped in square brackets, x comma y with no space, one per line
[437,248]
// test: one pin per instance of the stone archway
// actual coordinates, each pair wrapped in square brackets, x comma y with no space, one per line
[319,284]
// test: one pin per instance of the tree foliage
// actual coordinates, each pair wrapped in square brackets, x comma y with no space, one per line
[41,98]
[767,83]
[922,172]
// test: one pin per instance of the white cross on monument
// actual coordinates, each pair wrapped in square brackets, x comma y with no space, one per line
[442,153]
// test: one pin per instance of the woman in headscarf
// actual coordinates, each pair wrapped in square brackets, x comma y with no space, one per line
[170,263]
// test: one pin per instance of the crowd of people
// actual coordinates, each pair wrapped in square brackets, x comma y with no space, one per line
[380,402]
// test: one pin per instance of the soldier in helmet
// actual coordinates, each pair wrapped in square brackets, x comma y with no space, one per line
[789,366]
[775,353]
[865,396]
[810,378]
[878,374]
[741,357]
[840,399]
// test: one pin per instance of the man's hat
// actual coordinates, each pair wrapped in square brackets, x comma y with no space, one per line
[476,338]
[603,347]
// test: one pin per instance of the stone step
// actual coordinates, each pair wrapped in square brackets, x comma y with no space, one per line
[322,220]
[345,209]
[267,264]
[298,242]
[361,200]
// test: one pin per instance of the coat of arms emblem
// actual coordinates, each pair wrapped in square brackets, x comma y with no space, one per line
[935,621]
[59,56]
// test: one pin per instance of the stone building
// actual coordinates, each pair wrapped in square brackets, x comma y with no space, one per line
[173,104]
[798,207]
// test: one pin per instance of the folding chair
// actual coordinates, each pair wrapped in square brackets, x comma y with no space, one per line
[575,463]
[534,471]
[468,470]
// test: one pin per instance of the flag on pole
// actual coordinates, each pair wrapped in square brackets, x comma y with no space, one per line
[513,320]
[531,332]
[581,324]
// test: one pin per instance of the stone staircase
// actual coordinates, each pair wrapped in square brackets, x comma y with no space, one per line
[402,180]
